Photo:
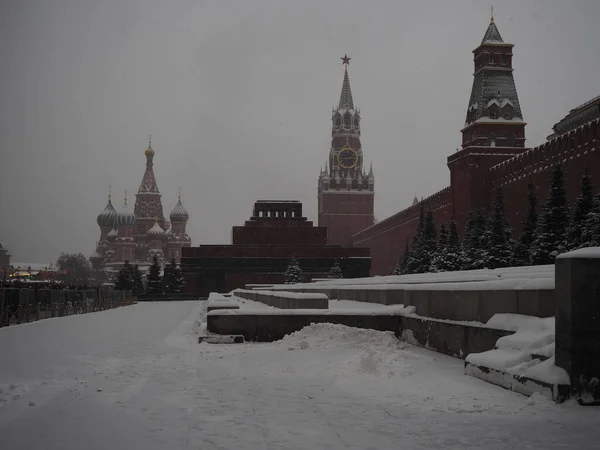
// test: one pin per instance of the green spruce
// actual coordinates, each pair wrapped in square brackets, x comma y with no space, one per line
[590,234]
[414,261]
[474,248]
[554,220]
[154,285]
[439,262]
[136,277]
[498,236]
[293,273]
[335,272]
[125,278]
[581,209]
[453,249]
[523,247]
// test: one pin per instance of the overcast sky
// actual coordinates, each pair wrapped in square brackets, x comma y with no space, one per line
[238,96]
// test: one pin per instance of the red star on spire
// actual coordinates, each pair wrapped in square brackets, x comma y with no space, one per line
[345,60]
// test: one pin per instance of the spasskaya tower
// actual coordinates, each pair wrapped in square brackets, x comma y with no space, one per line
[345,190]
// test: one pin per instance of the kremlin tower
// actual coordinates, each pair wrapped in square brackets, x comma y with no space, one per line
[140,234]
[345,189]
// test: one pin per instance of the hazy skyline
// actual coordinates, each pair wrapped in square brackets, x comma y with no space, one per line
[238,95]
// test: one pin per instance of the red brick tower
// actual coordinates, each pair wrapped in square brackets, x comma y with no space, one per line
[494,128]
[345,189]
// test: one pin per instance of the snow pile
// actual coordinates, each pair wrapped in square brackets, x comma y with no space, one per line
[529,352]
[371,353]
[216,300]
[326,336]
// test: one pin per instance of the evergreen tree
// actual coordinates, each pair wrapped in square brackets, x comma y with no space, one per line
[154,285]
[583,205]
[178,280]
[498,236]
[125,278]
[173,280]
[428,243]
[549,235]
[414,259]
[138,284]
[335,271]
[167,279]
[397,269]
[439,262]
[405,258]
[293,273]
[474,249]
[523,247]
[453,249]
[590,234]
[402,263]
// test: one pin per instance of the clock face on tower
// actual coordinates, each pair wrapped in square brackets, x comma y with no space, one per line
[347,158]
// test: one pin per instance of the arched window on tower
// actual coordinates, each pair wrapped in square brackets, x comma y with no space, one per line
[507,111]
[347,120]
[491,141]
[493,111]
[337,120]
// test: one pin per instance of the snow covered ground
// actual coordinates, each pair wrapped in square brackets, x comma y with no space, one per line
[136,378]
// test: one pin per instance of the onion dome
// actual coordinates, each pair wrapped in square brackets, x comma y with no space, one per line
[179,213]
[156,232]
[112,235]
[107,217]
[125,216]
[149,151]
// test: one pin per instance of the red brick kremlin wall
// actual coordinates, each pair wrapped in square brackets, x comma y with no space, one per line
[574,151]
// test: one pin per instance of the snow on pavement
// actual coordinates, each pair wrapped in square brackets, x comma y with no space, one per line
[135,377]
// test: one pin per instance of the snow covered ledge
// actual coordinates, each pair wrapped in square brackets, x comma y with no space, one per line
[285,300]
[577,275]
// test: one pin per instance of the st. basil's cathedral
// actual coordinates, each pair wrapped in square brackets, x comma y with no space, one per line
[139,235]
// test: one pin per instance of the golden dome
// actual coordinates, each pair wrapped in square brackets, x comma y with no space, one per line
[149,151]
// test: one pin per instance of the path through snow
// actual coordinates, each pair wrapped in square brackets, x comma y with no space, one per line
[135,377]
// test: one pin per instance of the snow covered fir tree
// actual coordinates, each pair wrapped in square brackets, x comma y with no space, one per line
[173,281]
[293,272]
[154,284]
[336,271]
[489,242]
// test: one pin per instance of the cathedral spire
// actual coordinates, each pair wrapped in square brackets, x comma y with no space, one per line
[346,101]
[149,181]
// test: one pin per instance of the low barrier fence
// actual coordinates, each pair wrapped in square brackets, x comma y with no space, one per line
[28,305]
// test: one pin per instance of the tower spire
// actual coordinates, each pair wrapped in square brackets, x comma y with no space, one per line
[492,35]
[109,193]
[125,201]
[179,194]
[492,14]
[346,101]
